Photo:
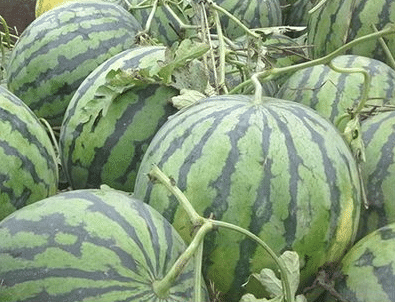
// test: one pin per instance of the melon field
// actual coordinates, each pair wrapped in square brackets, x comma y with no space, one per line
[197,151]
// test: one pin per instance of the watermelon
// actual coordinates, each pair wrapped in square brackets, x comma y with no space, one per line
[43,6]
[378,172]
[107,148]
[253,14]
[367,270]
[338,22]
[296,14]
[332,93]
[90,245]
[276,168]
[61,47]
[28,170]
[164,26]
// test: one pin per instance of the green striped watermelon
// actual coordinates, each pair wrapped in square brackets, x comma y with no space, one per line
[340,21]
[368,269]
[61,47]
[378,172]
[253,14]
[164,26]
[296,14]
[332,93]
[276,168]
[90,245]
[28,169]
[107,148]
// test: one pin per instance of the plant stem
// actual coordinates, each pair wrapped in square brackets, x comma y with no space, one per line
[221,49]
[157,174]
[366,83]
[279,262]
[234,19]
[316,7]
[387,51]
[267,75]
[161,287]
[198,273]
[151,16]
[258,89]
[207,224]
[180,23]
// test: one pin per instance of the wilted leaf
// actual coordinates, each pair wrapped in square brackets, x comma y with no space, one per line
[291,262]
[251,298]
[270,281]
[186,98]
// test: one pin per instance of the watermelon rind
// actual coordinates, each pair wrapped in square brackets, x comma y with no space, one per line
[29,169]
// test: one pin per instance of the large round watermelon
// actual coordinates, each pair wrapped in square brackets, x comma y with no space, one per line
[90,245]
[276,168]
[61,47]
[28,165]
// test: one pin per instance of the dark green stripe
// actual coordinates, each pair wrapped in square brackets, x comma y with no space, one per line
[27,164]
[331,173]
[18,201]
[68,66]
[29,133]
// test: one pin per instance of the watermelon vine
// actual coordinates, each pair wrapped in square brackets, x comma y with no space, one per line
[203,226]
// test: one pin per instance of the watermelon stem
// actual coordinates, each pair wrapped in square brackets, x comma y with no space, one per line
[221,49]
[233,18]
[151,16]
[387,51]
[267,75]
[198,273]
[157,174]
[280,263]
[179,21]
[161,287]
[258,89]
[206,225]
